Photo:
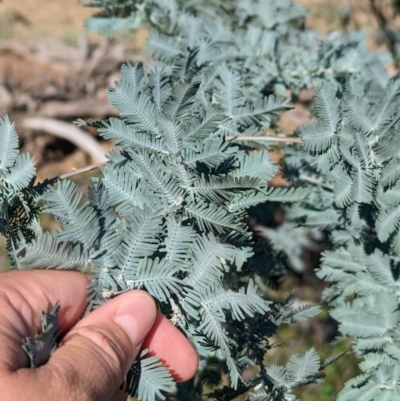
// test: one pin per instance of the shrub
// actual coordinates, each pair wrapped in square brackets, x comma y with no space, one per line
[169,212]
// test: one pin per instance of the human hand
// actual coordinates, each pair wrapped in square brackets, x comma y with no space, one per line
[95,352]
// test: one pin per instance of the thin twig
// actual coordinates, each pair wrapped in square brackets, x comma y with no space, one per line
[228,138]
[82,170]
[378,12]
[263,138]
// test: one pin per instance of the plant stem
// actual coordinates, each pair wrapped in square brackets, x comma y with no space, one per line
[228,138]
[82,170]
[264,138]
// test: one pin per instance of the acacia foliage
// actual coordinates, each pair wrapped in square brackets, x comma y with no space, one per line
[351,165]
[350,162]
[168,215]
[265,41]
[168,212]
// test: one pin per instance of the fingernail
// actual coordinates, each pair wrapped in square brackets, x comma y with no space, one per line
[136,316]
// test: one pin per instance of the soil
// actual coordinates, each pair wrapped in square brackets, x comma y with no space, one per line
[24,20]
[64,19]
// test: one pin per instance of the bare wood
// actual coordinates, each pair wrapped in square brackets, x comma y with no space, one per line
[380,16]
[81,108]
[383,22]
[264,138]
[69,132]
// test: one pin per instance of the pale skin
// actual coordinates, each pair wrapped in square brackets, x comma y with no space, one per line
[95,353]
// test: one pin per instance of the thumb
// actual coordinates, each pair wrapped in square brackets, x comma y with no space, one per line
[97,352]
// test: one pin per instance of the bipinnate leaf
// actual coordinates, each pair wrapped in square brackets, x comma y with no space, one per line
[302,366]
[328,106]
[387,222]
[40,347]
[9,144]
[316,137]
[148,379]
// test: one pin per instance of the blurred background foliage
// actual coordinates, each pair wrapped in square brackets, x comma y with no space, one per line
[50,67]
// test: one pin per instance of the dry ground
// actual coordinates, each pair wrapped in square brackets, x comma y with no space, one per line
[64,19]
[34,19]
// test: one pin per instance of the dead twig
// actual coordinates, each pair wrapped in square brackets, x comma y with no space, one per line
[82,108]
[228,138]
[69,132]
[384,25]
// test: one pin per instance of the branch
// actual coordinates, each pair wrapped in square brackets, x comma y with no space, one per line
[383,22]
[82,170]
[264,138]
[82,108]
[69,132]
[378,12]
